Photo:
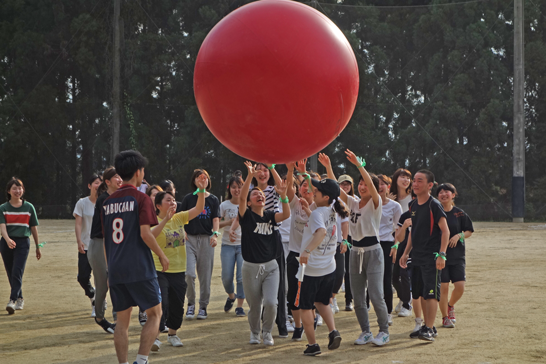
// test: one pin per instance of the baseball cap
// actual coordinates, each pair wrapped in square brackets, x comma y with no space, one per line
[327,187]
[345,178]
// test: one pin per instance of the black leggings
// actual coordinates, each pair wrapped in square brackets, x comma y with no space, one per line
[401,279]
[84,275]
[173,292]
[340,269]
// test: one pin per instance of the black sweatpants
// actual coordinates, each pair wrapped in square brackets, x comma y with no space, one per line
[173,292]
[281,294]
[15,261]
[84,275]
[401,279]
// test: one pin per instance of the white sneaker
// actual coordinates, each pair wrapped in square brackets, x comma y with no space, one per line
[10,307]
[364,338]
[336,307]
[418,324]
[93,314]
[398,307]
[175,340]
[254,338]
[19,304]
[381,339]
[389,319]
[157,345]
[404,312]
[289,326]
[319,320]
[268,339]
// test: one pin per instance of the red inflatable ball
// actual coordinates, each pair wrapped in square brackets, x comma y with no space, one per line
[276,81]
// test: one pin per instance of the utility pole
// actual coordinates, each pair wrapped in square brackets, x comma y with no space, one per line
[518,158]
[116,87]
[313,161]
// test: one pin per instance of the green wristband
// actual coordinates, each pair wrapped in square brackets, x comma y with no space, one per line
[395,246]
[271,167]
[345,242]
[462,237]
[41,245]
[309,183]
[217,233]
[285,200]
[436,255]
[199,191]
[361,161]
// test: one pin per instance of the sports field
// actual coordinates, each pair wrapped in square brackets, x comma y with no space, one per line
[500,319]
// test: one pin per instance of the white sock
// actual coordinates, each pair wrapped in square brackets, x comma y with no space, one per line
[125,362]
[142,359]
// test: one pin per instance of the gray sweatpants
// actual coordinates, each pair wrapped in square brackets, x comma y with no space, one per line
[200,258]
[366,266]
[261,285]
[95,256]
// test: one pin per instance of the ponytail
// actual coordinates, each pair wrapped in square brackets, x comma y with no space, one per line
[339,208]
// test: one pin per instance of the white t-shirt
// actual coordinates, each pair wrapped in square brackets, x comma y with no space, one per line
[284,229]
[298,219]
[340,220]
[228,210]
[390,216]
[321,261]
[85,209]
[364,221]
[405,202]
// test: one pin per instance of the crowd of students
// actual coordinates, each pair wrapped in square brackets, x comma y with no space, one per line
[289,243]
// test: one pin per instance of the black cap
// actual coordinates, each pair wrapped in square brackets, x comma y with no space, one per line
[327,187]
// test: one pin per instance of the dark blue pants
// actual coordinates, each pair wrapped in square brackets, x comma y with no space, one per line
[15,261]
[173,292]
[84,275]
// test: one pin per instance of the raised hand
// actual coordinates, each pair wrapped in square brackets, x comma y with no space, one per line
[300,165]
[291,166]
[251,169]
[171,212]
[281,189]
[352,158]
[324,159]
[202,181]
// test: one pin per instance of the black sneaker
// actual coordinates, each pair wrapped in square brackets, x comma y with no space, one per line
[142,318]
[312,350]
[202,314]
[229,304]
[315,324]
[334,340]
[283,332]
[240,312]
[348,306]
[426,334]
[106,326]
[434,331]
[297,334]
[415,334]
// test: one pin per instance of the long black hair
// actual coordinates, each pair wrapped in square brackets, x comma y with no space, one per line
[339,208]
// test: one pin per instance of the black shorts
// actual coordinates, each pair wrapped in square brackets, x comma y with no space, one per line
[316,289]
[144,294]
[425,282]
[292,265]
[454,273]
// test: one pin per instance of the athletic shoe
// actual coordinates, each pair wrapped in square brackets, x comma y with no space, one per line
[364,338]
[106,326]
[381,339]
[202,314]
[319,320]
[334,340]
[10,307]
[332,308]
[451,313]
[298,332]
[268,338]
[190,313]
[434,331]
[175,340]
[446,322]
[142,318]
[282,334]
[254,339]
[240,312]
[157,345]
[418,323]
[349,307]
[229,304]
[398,307]
[289,326]
[93,314]
[415,334]
[389,319]
[19,304]
[312,350]
[404,312]
[336,307]
[165,329]
[426,334]
[369,307]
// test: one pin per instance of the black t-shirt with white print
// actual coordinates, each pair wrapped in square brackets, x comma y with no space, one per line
[457,221]
[258,239]
[426,236]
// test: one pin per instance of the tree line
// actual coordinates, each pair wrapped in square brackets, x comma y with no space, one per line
[435,93]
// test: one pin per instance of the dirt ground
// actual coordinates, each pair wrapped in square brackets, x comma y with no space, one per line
[500,318]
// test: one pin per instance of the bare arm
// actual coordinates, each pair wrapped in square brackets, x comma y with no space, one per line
[149,240]
[290,190]
[344,235]
[78,228]
[156,230]
[325,161]
[245,188]
[367,179]
[274,173]
[200,205]
[318,236]
[9,241]
[400,233]
[404,259]
[285,214]
[34,232]
[215,227]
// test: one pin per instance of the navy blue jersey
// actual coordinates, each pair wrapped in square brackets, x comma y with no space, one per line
[129,258]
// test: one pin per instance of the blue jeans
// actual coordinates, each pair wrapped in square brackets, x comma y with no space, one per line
[231,254]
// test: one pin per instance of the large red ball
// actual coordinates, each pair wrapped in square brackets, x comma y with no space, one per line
[276,81]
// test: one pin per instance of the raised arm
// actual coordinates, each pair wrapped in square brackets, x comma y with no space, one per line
[200,205]
[325,161]
[245,188]
[290,190]
[367,179]
[285,214]
[274,173]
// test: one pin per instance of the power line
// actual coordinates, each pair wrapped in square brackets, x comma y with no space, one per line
[400,6]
